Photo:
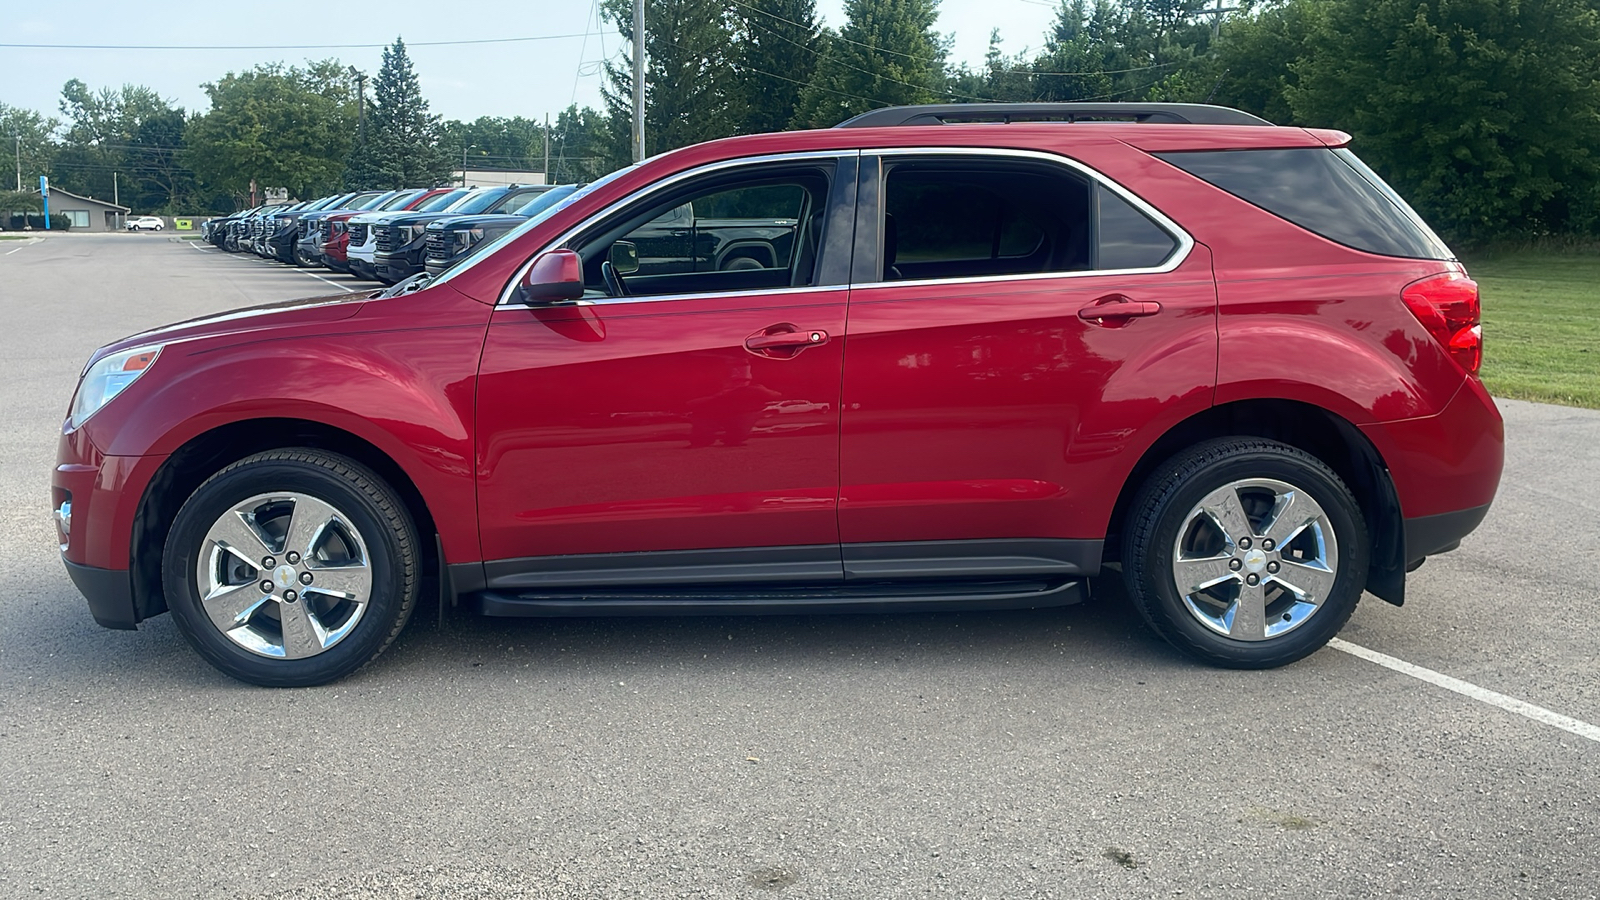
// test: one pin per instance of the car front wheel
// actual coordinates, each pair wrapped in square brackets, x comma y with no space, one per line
[1245,553]
[291,568]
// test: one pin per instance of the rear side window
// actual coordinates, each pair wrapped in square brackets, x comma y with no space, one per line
[1127,237]
[1329,192]
[970,219]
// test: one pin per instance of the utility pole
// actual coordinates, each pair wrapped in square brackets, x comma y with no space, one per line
[1216,18]
[19,162]
[116,194]
[361,101]
[546,149]
[638,80]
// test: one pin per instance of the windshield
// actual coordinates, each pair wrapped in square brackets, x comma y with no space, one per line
[512,202]
[476,203]
[374,201]
[400,199]
[538,202]
[534,221]
[434,204]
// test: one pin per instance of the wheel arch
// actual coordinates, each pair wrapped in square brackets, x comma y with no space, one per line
[1329,437]
[209,452]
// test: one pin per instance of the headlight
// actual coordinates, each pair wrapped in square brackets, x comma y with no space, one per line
[469,236]
[107,378]
[405,234]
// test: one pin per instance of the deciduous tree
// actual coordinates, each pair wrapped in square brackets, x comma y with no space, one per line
[279,126]
[1485,113]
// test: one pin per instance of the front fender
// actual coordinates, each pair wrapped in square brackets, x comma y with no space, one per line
[401,379]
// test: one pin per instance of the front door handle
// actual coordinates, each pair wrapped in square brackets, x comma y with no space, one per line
[1114,310]
[784,340]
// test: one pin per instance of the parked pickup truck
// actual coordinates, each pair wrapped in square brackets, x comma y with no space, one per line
[400,244]
[359,255]
[310,234]
[450,240]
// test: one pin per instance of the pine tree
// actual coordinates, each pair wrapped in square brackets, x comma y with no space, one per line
[687,93]
[1073,64]
[887,54]
[773,59]
[401,147]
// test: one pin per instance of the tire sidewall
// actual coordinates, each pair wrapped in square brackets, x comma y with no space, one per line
[386,557]
[1165,607]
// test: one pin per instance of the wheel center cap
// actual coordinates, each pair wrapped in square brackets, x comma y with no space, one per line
[1255,560]
[284,577]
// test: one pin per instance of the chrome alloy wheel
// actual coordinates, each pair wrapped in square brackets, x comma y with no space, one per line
[284,575]
[1255,559]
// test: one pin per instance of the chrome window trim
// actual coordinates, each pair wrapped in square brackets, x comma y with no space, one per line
[1185,241]
[703,295]
[1173,229]
[656,188]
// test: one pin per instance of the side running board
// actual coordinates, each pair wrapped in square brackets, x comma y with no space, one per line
[725,600]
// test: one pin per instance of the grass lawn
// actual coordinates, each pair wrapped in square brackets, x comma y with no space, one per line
[1541,326]
[14,237]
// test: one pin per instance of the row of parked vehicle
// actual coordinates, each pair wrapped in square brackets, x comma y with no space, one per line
[385,236]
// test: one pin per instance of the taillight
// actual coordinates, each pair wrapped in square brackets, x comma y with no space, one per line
[1447,305]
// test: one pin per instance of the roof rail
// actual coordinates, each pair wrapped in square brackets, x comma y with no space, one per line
[976,113]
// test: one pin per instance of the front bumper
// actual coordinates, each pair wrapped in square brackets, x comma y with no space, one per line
[97,539]
[398,265]
[282,244]
[109,592]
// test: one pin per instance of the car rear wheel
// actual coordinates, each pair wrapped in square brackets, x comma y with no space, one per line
[1245,553]
[291,568]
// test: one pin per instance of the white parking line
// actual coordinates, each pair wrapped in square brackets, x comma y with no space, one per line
[1467,689]
[268,262]
[326,281]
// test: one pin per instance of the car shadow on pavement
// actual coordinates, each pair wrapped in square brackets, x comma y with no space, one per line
[1105,629]
[1100,632]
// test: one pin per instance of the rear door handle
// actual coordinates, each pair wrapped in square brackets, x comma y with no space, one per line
[1117,309]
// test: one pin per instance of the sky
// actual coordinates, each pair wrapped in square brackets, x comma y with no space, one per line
[529,78]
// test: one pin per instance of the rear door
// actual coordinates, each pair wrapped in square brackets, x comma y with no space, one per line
[1024,324]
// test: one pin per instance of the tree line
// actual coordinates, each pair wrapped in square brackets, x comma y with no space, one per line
[1485,114]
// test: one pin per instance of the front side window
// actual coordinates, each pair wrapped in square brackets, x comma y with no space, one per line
[965,218]
[757,229]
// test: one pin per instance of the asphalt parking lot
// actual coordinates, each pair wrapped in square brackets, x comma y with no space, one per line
[1057,753]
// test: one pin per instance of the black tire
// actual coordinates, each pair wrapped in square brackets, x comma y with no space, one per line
[1163,506]
[373,510]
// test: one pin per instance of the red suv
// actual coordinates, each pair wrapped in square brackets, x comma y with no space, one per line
[899,364]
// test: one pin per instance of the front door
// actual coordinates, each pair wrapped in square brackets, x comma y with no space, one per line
[987,402]
[686,418]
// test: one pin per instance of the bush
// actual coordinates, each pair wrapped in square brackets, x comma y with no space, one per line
[21,222]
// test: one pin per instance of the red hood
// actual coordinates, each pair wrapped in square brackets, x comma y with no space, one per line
[288,313]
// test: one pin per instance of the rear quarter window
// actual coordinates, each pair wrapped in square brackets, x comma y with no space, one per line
[1328,192]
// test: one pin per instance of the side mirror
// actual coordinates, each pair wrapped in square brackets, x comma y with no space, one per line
[556,276]
[624,257]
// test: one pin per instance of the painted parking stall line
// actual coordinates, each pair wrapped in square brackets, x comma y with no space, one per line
[1468,689]
[265,262]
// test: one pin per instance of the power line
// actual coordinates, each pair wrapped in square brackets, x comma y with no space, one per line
[878,75]
[837,36]
[512,40]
